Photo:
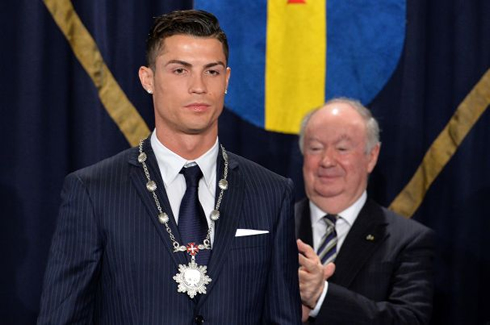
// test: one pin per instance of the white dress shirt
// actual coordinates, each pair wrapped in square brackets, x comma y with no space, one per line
[342,226]
[170,165]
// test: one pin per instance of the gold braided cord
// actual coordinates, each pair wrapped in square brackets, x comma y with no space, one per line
[443,148]
[113,98]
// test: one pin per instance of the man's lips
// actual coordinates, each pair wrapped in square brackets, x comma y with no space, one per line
[198,107]
[328,175]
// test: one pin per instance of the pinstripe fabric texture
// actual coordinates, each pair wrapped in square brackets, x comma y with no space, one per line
[384,270]
[111,261]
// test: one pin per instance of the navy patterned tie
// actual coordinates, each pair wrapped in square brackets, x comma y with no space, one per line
[193,226]
[328,247]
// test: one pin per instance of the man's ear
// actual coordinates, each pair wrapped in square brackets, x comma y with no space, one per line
[146,78]
[228,74]
[373,157]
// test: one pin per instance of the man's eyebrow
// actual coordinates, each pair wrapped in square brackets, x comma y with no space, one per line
[184,63]
[187,64]
[344,137]
[213,64]
[312,138]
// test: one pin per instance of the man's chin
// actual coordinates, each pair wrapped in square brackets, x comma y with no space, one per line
[330,193]
[194,131]
[199,128]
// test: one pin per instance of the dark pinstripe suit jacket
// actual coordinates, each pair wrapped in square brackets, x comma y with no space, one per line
[384,271]
[111,261]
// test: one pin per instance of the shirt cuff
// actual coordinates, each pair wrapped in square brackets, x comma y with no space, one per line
[319,303]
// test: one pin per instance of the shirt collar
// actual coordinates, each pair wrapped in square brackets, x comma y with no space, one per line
[170,163]
[349,215]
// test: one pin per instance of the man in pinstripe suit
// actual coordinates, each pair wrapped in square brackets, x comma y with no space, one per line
[118,256]
[382,269]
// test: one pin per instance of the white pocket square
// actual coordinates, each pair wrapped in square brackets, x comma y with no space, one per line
[250,232]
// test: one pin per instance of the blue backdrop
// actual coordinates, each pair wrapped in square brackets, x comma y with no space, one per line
[53,122]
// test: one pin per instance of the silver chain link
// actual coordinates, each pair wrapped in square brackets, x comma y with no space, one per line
[163,216]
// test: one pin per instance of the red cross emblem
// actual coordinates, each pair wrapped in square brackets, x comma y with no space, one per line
[192,249]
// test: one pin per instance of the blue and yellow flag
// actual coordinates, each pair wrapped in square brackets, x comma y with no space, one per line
[290,56]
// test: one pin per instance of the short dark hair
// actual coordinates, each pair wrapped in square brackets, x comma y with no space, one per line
[183,22]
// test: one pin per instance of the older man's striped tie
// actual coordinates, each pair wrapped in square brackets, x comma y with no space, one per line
[328,247]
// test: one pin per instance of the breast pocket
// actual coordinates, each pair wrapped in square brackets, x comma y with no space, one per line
[251,241]
[249,261]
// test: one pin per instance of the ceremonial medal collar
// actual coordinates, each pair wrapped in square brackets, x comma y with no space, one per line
[191,278]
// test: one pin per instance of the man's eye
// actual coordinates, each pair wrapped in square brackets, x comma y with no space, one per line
[179,71]
[213,72]
[315,149]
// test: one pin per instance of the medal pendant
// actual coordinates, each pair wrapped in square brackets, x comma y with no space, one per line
[192,278]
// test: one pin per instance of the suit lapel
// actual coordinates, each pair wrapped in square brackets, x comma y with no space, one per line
[226,226]
[365,236]
[139,180]
[303,222]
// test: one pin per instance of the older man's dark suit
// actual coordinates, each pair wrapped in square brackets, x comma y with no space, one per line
[383,271]
[112,262]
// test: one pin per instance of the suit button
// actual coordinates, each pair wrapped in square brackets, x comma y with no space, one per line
[199,319]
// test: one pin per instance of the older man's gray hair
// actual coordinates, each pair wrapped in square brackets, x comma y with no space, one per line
[372,127]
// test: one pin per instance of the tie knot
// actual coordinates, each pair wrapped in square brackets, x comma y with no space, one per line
[330,219]
[192,175]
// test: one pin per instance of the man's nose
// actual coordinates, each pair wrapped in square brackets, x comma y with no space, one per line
[197,84]
[328,158]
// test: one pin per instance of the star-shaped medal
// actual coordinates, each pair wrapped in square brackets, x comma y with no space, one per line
[192,278]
